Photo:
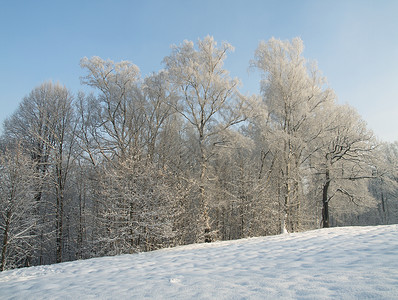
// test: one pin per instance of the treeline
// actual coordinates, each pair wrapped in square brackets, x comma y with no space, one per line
[181,156]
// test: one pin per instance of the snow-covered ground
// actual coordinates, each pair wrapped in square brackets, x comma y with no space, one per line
[337,263]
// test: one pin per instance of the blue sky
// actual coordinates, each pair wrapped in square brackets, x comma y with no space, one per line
[354,42]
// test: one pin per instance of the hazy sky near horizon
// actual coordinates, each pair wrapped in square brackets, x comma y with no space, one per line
[355,43]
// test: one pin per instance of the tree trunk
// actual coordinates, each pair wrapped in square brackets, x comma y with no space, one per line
[203,201]
[325,202]
[5,242]
[205,205]
[59,222]
[286,224]
[384,209]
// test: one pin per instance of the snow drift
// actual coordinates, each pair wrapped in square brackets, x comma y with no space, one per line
[336,263]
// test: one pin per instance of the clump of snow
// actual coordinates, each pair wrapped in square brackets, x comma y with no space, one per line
[336,263]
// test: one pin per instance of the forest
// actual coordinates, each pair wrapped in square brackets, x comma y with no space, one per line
[182,156]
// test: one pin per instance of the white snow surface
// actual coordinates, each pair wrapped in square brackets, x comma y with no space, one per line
[336,263]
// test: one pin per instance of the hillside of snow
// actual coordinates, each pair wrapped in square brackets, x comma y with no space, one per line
[336,263]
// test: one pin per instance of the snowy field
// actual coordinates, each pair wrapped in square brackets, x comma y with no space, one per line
[337,263]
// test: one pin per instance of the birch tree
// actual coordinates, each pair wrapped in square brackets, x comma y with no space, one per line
[119,106]
[208,100]
[158,100]
[294,93]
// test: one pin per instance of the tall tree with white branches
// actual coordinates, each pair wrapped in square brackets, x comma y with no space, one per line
[208,100]
[294,95]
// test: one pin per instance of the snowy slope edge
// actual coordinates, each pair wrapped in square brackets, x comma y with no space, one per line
[345,263]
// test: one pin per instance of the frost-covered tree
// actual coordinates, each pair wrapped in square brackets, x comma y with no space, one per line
[121,129]
[293,94]
[210,103]
[345,159]
[31,125]
[385,186]
[136,209]
[44,126]
[158,100]
[18,218]
[119,106]
[63,154]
